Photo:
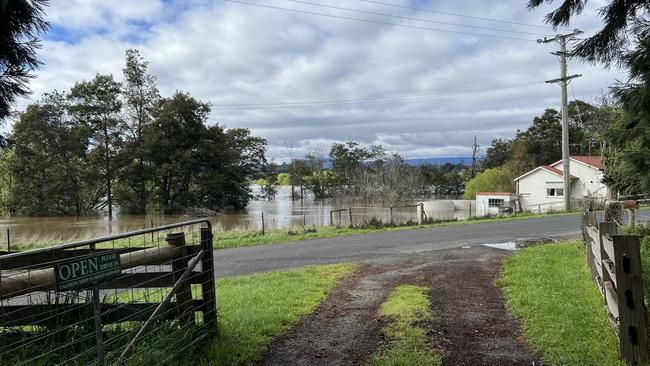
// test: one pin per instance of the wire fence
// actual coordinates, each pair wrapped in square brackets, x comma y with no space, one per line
[135,298]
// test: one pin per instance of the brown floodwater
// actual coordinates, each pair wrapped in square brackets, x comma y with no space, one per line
[281,213]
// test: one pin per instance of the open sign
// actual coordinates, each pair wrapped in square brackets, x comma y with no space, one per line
[86,271]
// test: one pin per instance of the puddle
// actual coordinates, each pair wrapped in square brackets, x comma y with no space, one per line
[511,245]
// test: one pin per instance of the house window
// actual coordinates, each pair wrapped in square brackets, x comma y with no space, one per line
[495,202]
[554,192]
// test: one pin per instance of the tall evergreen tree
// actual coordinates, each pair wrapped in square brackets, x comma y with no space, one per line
[22,23]
[96,103]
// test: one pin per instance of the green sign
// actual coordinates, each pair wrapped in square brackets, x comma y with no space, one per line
[86,271]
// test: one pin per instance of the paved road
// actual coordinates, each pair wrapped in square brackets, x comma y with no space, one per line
[388,246]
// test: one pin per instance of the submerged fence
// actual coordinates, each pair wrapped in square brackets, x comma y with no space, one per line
[142,296]
[615,264]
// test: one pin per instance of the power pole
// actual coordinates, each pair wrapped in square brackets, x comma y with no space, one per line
[474,151]
[563,81]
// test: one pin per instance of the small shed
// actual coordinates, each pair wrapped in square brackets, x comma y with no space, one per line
[494,203]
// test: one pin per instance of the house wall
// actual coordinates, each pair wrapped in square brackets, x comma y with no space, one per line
[589,182]
[532,190]
[482,204]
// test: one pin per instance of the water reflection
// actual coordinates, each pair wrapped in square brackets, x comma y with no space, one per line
[279,213]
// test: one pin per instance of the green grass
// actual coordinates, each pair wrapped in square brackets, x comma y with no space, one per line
[254,310]
[406,342]
[549,288]
[235,239]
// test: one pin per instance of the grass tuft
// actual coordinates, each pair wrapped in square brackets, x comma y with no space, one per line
[549,288]
[407,343]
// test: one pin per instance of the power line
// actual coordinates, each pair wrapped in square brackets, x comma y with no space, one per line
[378,21]
[334,102]
[456,15]
[411,18]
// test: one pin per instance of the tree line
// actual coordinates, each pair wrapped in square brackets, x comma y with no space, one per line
[110,143]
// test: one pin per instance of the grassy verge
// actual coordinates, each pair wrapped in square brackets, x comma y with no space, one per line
[234,239]
[549,289]
[406,342]
[254,310]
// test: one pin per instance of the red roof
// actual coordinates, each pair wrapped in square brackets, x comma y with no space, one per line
[556,171]
[493,193]
[594,161]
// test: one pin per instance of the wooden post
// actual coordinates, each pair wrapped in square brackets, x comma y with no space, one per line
[8,241]
[340,217]
[419,209]
[331,218]
[262,223]
[633,334]
[390,215]
[179,265]
[470,209]
[208,285]
[350,214]
[304,221]
[587,240]
[605,229]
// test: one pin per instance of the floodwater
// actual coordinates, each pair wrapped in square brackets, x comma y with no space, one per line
[281,213]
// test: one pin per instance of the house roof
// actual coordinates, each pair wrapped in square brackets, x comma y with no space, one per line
[494,193]
[549,169]
[592,161]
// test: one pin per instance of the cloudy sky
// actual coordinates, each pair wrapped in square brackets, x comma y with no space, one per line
[412,77]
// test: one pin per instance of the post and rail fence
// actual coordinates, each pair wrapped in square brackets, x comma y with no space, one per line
[119,299]
[387,215]
[615,264]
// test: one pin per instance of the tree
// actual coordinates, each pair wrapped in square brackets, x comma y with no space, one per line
[625,39]
[490,180]
[97,104]
[347,158]
[141,97]
[498,153]
[47,141]
[6,181]
[22,23]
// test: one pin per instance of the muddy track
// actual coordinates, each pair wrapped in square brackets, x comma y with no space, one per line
[473,326]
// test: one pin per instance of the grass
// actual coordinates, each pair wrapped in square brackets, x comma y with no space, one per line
[406,342]
[549,288]
[235,239]
[254,310]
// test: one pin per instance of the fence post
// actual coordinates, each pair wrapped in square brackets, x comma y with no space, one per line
[179,265]
[350,214]
[262,223]
[8,241]
[419,212]
[633,334]
[609,229]
[586,221]
[208,285]
[331,218]
[390,215]
[470,209]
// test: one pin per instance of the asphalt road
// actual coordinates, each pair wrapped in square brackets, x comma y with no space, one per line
[388,246]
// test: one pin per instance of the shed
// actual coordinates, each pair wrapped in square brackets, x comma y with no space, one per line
[494,203]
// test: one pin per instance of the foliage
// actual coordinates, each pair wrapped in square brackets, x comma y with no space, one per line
[498,153]
[348,158]
[490,180]
[6,180]
[443,180]
[283,179]
[22,23]
[549,288]
[254,310]
[406,336]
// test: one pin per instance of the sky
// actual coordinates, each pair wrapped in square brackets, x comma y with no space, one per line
[405,74]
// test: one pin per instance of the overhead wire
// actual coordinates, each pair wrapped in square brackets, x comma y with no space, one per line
[411,18]
[379,21]
[335,102]
[456,14]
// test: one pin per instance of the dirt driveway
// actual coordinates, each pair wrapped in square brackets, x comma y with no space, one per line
[473,326]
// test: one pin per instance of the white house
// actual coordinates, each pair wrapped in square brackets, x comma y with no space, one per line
[493,203]
[543,187]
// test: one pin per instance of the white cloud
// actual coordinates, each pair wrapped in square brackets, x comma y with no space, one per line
[229,53]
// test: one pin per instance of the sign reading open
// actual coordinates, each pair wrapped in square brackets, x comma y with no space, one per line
[87,271]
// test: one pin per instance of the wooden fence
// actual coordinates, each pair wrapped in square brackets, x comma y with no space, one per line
[615,264]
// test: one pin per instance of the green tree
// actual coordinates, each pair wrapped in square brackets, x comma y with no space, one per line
[141,97]
[490,180]
[6,181]
[22,23]
[283,179]
[350,156]
[498,153]
[97,104]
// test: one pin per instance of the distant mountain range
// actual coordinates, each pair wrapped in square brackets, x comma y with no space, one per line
[467,160]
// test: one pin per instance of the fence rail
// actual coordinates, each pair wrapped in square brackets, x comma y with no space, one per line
[85,302]
[615,264]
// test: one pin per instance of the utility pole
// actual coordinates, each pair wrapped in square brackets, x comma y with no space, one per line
[474,151]
[563,81]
